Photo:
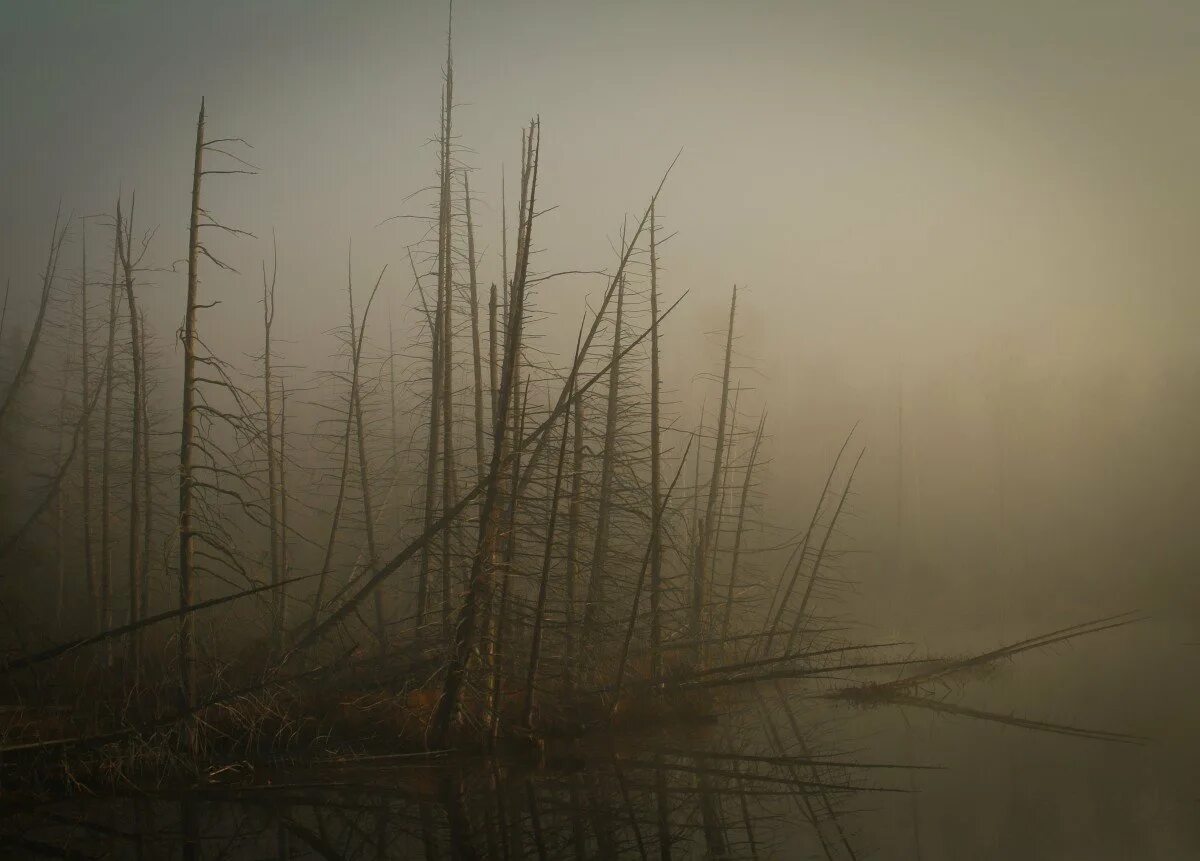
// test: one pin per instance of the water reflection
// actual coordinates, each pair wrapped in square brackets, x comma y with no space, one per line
[762,780]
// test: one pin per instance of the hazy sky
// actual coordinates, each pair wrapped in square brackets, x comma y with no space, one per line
[981,194]
[874,166]
[996,201]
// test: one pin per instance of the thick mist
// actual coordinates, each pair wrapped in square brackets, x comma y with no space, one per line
[964,232]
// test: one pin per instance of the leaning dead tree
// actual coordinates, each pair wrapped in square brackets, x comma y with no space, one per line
[21,376]
[479,580]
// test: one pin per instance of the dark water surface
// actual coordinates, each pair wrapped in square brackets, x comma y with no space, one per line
[779,773]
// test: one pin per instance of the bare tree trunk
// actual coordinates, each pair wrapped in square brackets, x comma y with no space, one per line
[395,458]
[659,507]
[663,809]
[595,588]
[55,484]
[747,482]
[493,345]
[85,390]
[535,648]
[446,292]
[281,592]
[187,647]
[696,610]
[710,812]
[60,561]
[480,456]
[434,440]
[698,587]
[272,478]
[56,240]
[464,639]
[505,283]
[773,628]
[337,509]
[147,480]
[656,667]
[356,341]
[135,456]
[812,580]
[510,553]
[513,489]
[574,508]
[718,530]
[103,607]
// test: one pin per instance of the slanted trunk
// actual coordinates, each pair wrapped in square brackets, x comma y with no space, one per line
[356,342]
[21,376]
[335,522]
[656,667]
[535,648]
[747,483]
[476,357]
[816,572]
[464,637]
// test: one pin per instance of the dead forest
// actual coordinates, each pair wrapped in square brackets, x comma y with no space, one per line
[445,541]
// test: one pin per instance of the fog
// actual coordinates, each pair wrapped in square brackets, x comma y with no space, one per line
[965,231]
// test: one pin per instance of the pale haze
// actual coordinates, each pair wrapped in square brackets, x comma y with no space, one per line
[971,228]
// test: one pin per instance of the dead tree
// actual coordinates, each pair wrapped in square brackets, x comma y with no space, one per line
[781,601]
[104,606]
[574,517]
[360,434]
[656,667]
[48,275]
[659,507]
[476,357]
[493,347]
[699,574]
[747,483]
[499,656]
[431,459]
[445,285]
[147,477]
[595,586]
[85,388]
[125,249]
[189,484]
[535,648]
[281,592]
[812,580]
[464,637]
[277,627]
